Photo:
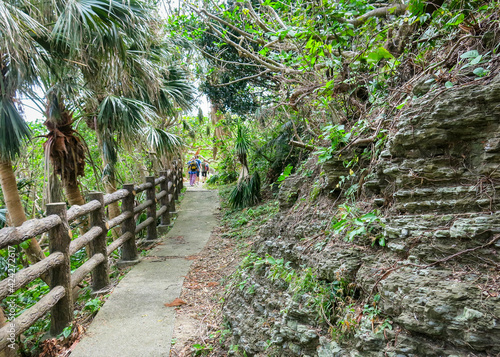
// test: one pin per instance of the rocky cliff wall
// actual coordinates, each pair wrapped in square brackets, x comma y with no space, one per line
[432,290]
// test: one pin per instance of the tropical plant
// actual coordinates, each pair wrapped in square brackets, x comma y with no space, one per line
[247,190]
[19,61]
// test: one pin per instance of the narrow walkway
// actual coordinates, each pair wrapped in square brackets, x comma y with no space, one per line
[134,321]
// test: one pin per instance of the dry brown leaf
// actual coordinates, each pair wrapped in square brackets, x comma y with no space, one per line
[176,302]
[212,283]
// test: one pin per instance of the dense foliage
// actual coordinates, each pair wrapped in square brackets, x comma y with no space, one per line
[321,76]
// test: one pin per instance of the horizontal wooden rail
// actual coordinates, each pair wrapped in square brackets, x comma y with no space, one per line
[28,230]
[27,275]
[161,211]
[161,195]
[115,196]
[142,206]
[78,211]
[119,219]
[84,239]
[143,225]
[118,242]
[142,187]
[79,274]
[160,180]
[31,315]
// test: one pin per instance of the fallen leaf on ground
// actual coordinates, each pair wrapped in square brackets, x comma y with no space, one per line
[176,302]
[212,283]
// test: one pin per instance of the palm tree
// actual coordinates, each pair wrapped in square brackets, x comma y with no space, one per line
[85,33]
[19,58]
[154,92]
[247,190]
[18,70]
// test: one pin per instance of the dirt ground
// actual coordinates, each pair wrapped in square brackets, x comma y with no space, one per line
[199,322]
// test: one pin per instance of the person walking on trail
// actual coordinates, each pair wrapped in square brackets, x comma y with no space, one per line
[193,168]
[204,171]
[198,161]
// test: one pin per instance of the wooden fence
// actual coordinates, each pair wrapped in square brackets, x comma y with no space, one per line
[59,300]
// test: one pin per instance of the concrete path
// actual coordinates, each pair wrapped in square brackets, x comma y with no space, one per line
[134,321]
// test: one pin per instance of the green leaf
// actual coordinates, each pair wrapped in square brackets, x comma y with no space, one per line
[25,244]
[469,54]
[457,20]
[480,72]
[286,173]
[375,56]
[476,60]
[339,226]
[369,217]
[271,260]
[448,84]
[264,51]
[402,104]
[67,331]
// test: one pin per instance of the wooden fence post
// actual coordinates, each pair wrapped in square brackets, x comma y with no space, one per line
[171,188]
[59,241]
[100,274]
[179,177]
[165,217]
[175,175]
[129,249]
[151,211]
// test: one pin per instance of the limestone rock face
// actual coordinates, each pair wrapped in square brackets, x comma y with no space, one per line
[436,184]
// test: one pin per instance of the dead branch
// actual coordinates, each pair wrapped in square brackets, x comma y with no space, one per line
[227,62]
[380,12]
[242,79]
[396,266]
[302,145]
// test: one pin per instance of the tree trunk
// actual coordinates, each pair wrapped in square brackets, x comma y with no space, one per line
[16,215]
[73,193]
[109,184]
[243,173]
[75,197]
[218,131]
[7,351]
[113,209]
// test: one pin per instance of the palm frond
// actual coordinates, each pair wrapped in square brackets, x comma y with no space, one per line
[81,21]
[14,131]
[109,151]
[243,142]
[176,88]
[124,116]
[161,141]
[246,193]
[17,30]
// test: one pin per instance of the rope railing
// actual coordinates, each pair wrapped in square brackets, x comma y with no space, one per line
[59,300]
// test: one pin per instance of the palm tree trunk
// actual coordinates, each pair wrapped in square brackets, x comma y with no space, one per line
[113,209]
[73,193]
[109,184]
[74,196]
[16,215]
